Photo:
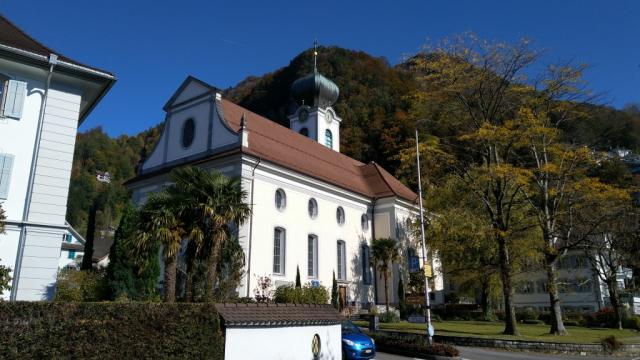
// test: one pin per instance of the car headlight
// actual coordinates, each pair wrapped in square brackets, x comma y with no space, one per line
[348,342]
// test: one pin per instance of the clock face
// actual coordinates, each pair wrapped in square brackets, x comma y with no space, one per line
[303,115]
[329,117]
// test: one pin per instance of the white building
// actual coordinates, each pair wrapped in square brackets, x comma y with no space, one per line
[312,207]
[71,249]
[44,97]
[579,286]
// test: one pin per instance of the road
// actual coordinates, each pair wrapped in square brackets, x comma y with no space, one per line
[468,353]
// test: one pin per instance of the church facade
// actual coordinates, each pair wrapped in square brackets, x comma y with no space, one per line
[313,208]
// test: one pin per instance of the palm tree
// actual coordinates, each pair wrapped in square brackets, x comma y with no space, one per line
[211,204]
[159,223]
[384,252]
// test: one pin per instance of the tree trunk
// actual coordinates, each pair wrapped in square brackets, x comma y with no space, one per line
[188,286]
[484,297]
[87,257]
[386,290]
[511,326]
[170,268]
[212,269]
[557,325]
[614,297]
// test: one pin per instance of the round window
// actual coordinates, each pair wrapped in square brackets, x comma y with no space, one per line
[340,215]
[188,132]
[281,199]
[364,222]
[313,208]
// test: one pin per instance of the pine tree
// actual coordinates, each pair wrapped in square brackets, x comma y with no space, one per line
[298,283]
[334,293]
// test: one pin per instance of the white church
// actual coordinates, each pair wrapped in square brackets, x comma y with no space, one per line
[312,207]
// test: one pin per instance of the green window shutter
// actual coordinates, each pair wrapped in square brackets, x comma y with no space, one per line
[14,99]
[6,165]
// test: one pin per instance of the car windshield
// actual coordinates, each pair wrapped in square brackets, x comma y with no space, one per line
[349,327]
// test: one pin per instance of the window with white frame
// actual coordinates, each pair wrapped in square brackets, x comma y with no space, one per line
[279,247]
[366,265]
[313,208]
[312,256]
[342,260]
[281,199]
[12,96]
[364,222]
[340,215]
[328,138]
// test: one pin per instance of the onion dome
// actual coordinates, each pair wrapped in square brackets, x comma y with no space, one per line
[315,90]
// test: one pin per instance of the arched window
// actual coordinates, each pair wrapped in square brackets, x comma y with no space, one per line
[312,257]
[328,138]
[313,208]
[366,267]
[279,246]
[342,261]
[340,215]
[304,131]
[281,199]
[188,132]
[364,222]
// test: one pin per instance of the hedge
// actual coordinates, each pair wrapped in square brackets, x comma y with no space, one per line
[57,330]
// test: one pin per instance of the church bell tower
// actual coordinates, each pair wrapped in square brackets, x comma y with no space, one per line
[314,117]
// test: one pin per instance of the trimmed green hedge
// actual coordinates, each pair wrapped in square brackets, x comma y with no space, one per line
[57,330]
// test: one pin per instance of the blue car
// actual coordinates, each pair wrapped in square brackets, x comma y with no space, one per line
[355,344]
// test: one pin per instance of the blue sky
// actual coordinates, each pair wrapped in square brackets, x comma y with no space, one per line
[152,46]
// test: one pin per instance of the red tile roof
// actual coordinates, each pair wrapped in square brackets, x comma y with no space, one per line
[280,145]
[264,315]
[13,36]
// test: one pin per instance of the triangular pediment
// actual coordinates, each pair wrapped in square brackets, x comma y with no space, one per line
[191,88]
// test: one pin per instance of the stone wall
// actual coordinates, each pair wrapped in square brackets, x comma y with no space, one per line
[521,345]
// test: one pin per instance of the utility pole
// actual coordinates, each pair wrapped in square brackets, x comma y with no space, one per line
[430,330]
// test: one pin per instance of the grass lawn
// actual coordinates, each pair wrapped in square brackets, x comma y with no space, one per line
[529,332]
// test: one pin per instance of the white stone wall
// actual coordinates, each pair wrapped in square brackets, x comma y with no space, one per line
[282,343]
[298,224]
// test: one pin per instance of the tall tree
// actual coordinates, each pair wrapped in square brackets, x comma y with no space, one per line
[615,242]
[477,84]
[131,277]
[159,224]
[384,253]
[211,207]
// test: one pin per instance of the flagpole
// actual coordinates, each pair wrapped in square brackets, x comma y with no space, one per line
[424,247]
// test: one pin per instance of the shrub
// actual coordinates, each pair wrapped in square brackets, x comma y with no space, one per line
[389,317]
[532,322]
[55,330]
[527,314]
[604,317]
[75,285]
[305,295]
[610,344]
[413,347]
[632,322]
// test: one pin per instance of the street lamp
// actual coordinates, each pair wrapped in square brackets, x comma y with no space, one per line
[430,330]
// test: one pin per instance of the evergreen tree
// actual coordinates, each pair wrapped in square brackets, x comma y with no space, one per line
[334,293]
[402,303]
[127,276]
[298,283]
